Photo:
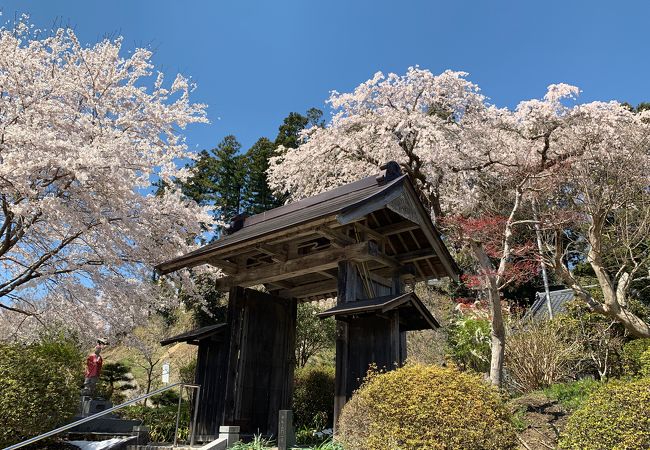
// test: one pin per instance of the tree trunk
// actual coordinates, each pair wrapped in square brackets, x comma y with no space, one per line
[149,381]
[498,337]
[632,323]
[496,316]
[614,292]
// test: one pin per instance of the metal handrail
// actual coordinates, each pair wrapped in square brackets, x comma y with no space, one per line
[115,408]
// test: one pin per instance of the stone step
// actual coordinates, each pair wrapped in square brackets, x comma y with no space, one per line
[162,447]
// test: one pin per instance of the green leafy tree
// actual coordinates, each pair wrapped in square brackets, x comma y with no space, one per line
[201,185]
[39,387]
[230,178]
[234,183]
[469,342]
[312,334]
[187,372]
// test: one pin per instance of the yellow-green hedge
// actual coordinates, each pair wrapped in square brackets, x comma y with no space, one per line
[635,363]
[417,407]
[614,417]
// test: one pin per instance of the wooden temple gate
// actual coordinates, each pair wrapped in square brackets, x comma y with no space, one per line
[361,243]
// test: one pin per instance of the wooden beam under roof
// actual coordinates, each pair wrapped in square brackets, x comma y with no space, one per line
[321,287]
[314,262]
[310,289]
[372,233]
[276,254]
[416,255]
[292,224]
[227,266]
[337,238]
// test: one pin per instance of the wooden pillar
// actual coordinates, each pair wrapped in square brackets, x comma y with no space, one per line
[397,338]
[346,292]
[211,376]
[398,284]
[235,321]
[403,348]
[395,341]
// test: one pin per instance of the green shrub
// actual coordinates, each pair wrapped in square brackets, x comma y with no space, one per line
[614,417]
[258,443]
[539,354]
[187,372]
[313,397]
[114,381]
[161,421]
[644,361]
[600,340]
[167,398]
[39,387]
[428,407]
[572,394]
[469,341]
[632,356]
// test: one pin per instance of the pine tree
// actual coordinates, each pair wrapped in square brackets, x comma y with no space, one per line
[218,178]
[289,132]
[258,195]
[230,177]
[116,379]
[201,185]
[234,183]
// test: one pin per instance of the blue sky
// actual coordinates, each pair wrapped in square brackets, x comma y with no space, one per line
[255,61]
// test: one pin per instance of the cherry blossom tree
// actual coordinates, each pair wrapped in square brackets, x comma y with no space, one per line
[480,169]
[84,132]
[445,135]
[595,209]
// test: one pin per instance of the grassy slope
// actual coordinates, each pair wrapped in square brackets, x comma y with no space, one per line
[177,355]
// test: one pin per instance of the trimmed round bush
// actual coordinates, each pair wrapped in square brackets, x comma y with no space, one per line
[614,417]
[313,397]
[430,407]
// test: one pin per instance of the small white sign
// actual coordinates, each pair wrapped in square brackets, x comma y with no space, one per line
[165,373]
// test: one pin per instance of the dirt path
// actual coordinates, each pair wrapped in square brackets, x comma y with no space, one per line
[544,420]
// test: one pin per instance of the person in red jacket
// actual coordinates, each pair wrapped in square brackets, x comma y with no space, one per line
[93,369]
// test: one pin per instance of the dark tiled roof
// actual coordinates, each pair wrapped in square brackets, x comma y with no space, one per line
[306,210]
[559,299]
[338,205]
[417,315]
[194,336]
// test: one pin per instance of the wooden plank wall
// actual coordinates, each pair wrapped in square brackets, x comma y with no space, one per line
[370,343]
[211,375]
[261,360]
